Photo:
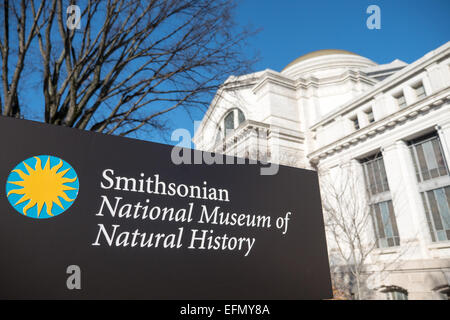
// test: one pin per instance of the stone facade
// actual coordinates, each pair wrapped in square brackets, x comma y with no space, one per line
[331,110]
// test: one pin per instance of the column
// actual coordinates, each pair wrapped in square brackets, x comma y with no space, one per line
[408,206]
[410,95]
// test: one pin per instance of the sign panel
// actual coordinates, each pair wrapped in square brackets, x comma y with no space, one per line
[91,216]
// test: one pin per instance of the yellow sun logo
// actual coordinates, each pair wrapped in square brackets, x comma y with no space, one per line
[33,187]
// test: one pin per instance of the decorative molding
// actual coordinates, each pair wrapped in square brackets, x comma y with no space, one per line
[398,118]
[390,82]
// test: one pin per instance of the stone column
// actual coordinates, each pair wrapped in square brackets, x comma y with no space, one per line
[408,206]
[410,95]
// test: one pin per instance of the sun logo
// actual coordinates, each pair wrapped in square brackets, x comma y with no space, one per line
[42,187]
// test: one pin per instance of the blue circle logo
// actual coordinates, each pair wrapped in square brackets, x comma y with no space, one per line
[42,187]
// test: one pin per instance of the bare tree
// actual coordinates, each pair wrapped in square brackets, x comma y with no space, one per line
[18,16]
[346,221]
[349,228]
[129,62]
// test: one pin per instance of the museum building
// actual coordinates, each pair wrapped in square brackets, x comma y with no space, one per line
[384,129]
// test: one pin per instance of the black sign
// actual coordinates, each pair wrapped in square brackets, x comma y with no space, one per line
[86,215]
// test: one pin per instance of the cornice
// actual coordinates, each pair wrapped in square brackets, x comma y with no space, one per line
[392,81]
[272,77]
[398,118]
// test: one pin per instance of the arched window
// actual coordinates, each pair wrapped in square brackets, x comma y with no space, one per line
[241,117]
[230,122]
[395,293]
[443,291]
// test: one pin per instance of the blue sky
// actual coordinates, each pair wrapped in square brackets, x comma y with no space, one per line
[291,28]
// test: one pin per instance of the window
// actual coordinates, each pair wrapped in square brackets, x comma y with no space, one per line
[229,122]
[241,117]
[232,120]
[385,224]
[401,101]
[434,184]
[382,210]
[444,291]
[437,210]
[396,295]
[355,122]
[429,161]
[375,174]
[420,91]
[369,115]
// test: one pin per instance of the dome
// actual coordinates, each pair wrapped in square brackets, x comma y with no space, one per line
[319,53]
[326,63]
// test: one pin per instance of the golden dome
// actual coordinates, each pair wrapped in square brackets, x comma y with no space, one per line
[319,53]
